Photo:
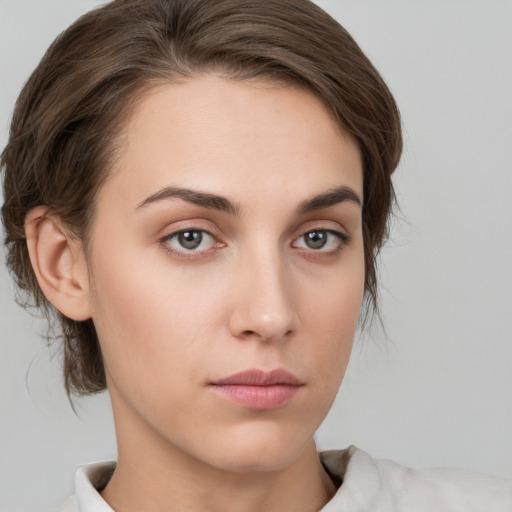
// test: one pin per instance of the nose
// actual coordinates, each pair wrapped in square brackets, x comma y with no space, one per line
[264,300]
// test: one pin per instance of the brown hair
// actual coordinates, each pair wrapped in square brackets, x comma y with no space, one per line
[69,113]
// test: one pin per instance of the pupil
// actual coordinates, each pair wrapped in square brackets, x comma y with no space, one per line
[316,239]
[190,239]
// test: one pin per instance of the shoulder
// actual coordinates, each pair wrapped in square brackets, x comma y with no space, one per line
[383,485]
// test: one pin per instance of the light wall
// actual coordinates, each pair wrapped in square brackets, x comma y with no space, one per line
[438,389]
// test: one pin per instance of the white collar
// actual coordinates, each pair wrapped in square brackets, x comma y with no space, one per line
[368,485]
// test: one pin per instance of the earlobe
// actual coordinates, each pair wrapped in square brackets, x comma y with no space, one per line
[58,263]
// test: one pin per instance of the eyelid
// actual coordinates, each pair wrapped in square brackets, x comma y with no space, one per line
[343,238]
[189,254]
[188,224]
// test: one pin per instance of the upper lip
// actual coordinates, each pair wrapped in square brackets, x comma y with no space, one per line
[255,377]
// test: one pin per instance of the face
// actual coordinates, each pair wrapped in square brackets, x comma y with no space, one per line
[226,266]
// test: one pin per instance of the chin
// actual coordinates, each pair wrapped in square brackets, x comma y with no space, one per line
[258,448]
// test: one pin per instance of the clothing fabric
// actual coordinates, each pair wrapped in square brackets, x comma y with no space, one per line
[367,485]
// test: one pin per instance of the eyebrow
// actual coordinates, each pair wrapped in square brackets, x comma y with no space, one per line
[332,197]
[204,199]
[207,200]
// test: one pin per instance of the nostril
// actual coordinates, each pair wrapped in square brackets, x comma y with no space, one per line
[265,336]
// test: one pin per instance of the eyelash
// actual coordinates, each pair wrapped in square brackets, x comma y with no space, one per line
[184,253]
[343,240]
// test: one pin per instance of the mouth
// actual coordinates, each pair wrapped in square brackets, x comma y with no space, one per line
[257,389]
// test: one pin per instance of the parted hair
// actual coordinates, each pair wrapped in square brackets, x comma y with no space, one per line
[69,115]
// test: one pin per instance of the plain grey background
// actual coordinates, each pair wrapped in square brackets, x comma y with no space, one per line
[438,391]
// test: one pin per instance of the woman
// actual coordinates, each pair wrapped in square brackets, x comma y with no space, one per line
[200,190]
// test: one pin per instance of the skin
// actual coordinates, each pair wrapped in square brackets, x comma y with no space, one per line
[253,294]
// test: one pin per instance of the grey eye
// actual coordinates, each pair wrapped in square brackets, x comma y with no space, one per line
[190,239]
[322,240]
[190,243]
[315,239]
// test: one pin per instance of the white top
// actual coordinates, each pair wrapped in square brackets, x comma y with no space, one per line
[369,485]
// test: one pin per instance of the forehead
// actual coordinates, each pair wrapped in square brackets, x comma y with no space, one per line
[226,135]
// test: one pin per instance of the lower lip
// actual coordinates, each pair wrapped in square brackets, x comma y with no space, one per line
[257,397]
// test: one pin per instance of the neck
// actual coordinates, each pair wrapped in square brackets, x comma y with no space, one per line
[154,475]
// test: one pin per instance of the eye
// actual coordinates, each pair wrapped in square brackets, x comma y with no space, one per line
[322,240]
[189,240]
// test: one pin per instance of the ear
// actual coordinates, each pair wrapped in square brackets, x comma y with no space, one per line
[59,263]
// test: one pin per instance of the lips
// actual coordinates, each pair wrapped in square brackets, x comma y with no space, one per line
[257,389]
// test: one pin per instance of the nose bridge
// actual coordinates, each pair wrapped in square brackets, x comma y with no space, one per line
[265,305]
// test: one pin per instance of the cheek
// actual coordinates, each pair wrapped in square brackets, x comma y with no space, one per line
[154,319]
[332,302]
[133,313]
[330,314]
